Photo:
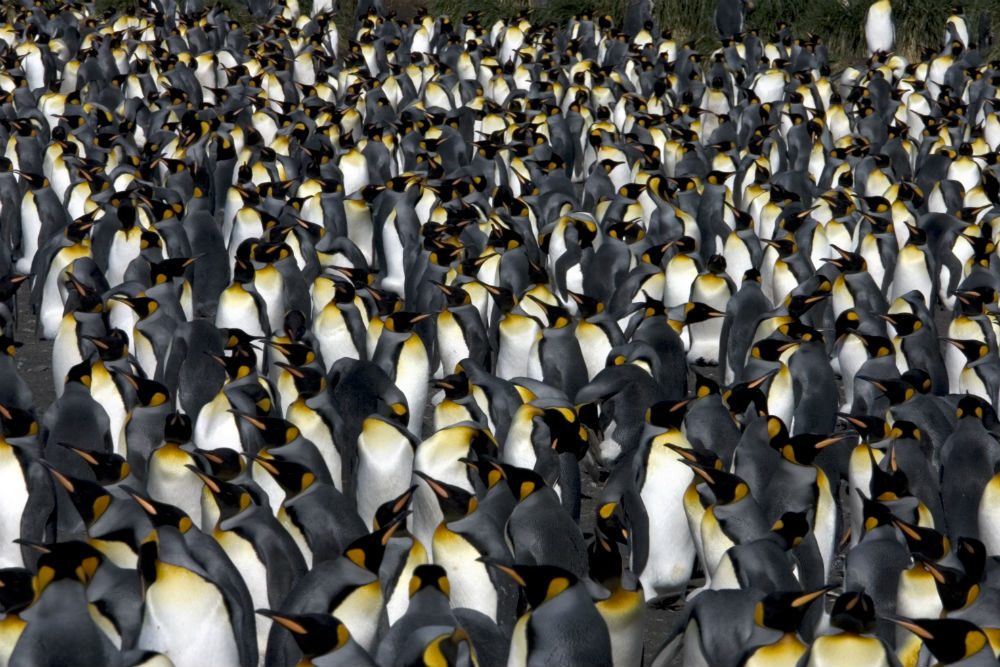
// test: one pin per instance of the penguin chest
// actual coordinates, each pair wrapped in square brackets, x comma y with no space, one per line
[185,617]
[518,655]
[51,310]
[315,430]
[65,352]
[783,653]
[215,426]
[595,346]
[517,335]
[624,613]
[715,543]
[254,574]
[169,481]
[989,516]
[451,341]
[471,585]
[411,376]
[237,309]
[271,288]
[385,461]
[671,548]
[125,247]
[105,392]
[399,596]
[360,611]
[334,336]
[11,628]
[15,490]
[838,650]
[297,535]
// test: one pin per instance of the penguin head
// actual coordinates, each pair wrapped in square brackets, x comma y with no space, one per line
[111,347]
[919,379]
[108,467]
[231,499]
[8,346]
[973,350]
[668,414]
[454,295]
[785,611]
[791,528]
[429,577]
[604,561]
[926,543]
[739,397]
[296,353]
[392,511]
[896,391]
[16,423]
[695,312]
[522,481]
[73,560]
[904,323]
[971,554]
[142,305]
[974,301]
[948,639]
[168,269]
[848,262]
[610,523]
[799,304]
[90,499]
[876,346]
[772,349]
[308,381]
[368,550]
[275,431]
[588,306]
[455,502]
[177,428]
[568,435]
[556,317]
[315,634]
[870,428]
[853,612]
[151,394]
[403,322]
[16,589]
[974,407]
[956,588]
[540,583]
[79,374]
[873,513]
[291,476]
[726,488]
[161,515]
[456,386]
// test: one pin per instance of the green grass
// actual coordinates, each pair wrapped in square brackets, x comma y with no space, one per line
[839,23]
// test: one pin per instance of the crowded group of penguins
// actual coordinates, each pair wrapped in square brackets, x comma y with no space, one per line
[439,342]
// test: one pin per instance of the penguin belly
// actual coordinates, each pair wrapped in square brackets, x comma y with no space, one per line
[671,549]
[517,335]
[215,426]
[470,581]
[399,597]
[254,574]
[361,611]
[334,336]
[412,374]
[624,613]
[451,342]
[105,392]
[15,492]
[185,617]
[65,353]
[839,650]
[315,430]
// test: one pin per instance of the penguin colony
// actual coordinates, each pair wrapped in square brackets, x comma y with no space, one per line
[343,338]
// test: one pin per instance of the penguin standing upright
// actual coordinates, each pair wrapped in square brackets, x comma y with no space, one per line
[880,29]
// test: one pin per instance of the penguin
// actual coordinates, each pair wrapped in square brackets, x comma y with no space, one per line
[853,614]
[267,558]
[176,554]
[64,570]
[322,639]
[561,625]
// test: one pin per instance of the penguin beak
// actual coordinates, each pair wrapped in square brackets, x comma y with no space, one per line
[826,442]
[911,626]
[958,345]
